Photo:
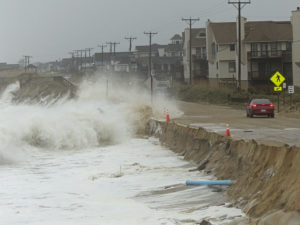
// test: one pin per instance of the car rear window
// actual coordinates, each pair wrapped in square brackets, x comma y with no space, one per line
[261,101]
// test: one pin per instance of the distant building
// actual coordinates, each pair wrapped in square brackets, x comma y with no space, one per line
[143,50]
[4,66]
[266,48]
[166,59]
[117,62]
[199,61]
[31,68]
[176,40]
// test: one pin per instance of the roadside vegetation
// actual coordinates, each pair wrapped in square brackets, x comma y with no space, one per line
[225,95]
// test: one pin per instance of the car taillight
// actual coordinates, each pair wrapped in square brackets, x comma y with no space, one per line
[254,105]
[271,105]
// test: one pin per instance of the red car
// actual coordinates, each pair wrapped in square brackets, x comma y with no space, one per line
[260,107]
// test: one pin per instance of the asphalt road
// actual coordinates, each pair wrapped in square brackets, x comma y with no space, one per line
[276,131]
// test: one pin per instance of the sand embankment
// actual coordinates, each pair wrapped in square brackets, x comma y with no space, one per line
[39,89]
[267,177]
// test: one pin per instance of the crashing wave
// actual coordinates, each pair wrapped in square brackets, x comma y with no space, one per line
[90,120]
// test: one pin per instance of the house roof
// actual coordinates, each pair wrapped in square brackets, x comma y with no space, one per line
[258,31]
[224,32]
[145,48]
[107,56]
[197,40]
[31,66]
[176,37]
[268,31]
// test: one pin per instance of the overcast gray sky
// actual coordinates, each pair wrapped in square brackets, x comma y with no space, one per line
[49,29]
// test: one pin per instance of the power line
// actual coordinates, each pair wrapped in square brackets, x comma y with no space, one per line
[150,63]
[239,5]
[190,21]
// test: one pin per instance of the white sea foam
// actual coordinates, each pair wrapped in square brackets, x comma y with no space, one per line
[76,162]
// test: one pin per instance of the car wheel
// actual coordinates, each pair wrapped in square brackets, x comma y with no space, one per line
[251,115]
[272,115]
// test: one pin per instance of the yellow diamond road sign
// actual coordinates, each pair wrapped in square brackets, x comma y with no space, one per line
[277,79]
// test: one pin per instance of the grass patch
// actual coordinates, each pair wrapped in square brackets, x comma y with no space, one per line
[230,96]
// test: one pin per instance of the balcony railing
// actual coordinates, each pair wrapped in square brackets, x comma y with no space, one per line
[259,75]
[270,54]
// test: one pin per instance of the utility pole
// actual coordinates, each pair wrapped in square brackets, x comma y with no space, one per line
[89,51]
[110,46]
[239,5]
[72,54]
[150,63]
[84,63]
[130,39]
[72,57]
[190,21]
[79,54]
[26,61]
[102,54]
[76,59]
[114,44]
[110,52]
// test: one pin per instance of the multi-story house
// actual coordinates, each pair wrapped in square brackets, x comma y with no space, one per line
[176,39]
[117,62]
[199,60]
[166,59]
[266,48]
[296,46]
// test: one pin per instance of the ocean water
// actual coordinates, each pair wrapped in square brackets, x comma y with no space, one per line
[79,162]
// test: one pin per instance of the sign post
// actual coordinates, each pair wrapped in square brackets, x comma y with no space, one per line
[277,79]
[291,91]
[284,89]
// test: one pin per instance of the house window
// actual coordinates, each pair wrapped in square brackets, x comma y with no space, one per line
[213,49]
[198,51]
[231,66]
[232,47]
[165,67]
[274,49]
[202,35]
[254,49]
[289,46]
[204,52]
[264,49]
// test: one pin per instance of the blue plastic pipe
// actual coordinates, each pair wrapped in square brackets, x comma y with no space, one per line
[209,182]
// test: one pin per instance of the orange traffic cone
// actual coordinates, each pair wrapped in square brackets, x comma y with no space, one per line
[227,130]
[167,117]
